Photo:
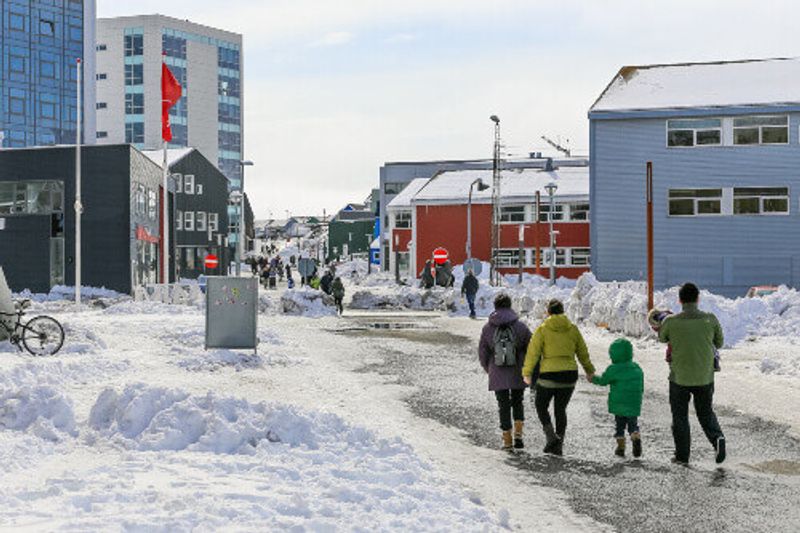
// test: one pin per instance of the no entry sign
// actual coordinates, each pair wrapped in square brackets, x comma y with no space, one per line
[440,256]
[212,261]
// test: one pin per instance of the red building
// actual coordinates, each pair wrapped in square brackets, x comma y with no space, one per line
[432,213]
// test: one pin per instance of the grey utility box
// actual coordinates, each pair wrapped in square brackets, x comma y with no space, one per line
[231,313]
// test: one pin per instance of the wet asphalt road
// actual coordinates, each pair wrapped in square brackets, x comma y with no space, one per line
[757,489]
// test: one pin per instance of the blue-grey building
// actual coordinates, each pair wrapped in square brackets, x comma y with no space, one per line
[40,42]
[723,140]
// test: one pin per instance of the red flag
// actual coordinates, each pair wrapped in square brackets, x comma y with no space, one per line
[171,92]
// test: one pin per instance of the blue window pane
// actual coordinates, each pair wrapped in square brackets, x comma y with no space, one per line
[16,105]
[17,64]
[47,69]
[75,34]
[16,22]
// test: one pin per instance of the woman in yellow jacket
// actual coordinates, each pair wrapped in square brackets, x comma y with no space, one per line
[554,346]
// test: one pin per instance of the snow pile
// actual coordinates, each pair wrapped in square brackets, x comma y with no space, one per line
[437,299]
[79,339]
[307,302]
[63,292]
[37,409]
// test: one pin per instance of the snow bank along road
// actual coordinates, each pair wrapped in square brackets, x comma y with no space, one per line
[135,427]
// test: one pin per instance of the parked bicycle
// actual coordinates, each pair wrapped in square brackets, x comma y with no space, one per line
[41,335]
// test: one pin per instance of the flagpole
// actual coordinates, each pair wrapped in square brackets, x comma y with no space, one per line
[78,203]
[165,205]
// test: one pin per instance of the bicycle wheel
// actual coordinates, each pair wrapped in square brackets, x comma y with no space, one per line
[43,335]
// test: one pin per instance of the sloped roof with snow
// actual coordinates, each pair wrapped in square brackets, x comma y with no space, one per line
[403,200]
[691,85]
[521,185]
[173,155]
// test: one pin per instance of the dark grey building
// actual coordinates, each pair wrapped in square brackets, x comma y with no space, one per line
[201,211]
[120,223]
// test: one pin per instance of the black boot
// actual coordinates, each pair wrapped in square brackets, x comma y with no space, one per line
[558,448]
[551,439]
[636,441]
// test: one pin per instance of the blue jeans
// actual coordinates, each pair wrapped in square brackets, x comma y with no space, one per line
[471,302]
[631,422]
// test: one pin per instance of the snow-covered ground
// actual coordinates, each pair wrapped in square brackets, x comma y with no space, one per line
[134,426]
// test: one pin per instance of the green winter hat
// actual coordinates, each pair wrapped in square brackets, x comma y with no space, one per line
[621,351]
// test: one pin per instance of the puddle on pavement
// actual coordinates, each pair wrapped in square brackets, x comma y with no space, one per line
[777,466]
[422,332]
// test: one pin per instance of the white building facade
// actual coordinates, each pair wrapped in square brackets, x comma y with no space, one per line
[208,64]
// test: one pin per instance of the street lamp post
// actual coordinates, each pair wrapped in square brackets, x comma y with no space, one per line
[495,277]
[237,198]
[481,187]
[240,238]
[551,191]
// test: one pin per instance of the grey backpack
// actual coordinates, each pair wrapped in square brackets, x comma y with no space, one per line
[505,346]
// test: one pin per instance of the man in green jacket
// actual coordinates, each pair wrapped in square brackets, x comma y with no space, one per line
[693,336]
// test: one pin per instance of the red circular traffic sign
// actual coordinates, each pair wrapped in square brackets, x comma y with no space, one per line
[212,261]
[440,256]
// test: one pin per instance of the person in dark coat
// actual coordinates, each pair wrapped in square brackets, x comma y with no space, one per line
[325,282]
[426,277]
[469,288]
[506,381]
[289,272]
[337,288]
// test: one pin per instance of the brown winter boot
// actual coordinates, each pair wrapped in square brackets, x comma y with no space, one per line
[508,442]
[518,424]
[636,441]
[620,451]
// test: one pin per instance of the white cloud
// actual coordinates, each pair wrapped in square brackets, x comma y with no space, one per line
[336,38]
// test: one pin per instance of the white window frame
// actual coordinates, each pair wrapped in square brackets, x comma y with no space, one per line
[503,257]
[402,220]
[570,210]
[200,221]
[761,199]
[198,189]
[760,130]
[213,221]
[696,200]
[516,207]
[188,184]
[188,221]
[588,256]
[559,210]
[179,220]
[694,131]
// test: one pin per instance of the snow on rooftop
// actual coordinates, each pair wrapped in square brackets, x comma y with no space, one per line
[754,82]
[515,184]
[173,155]
[406,195]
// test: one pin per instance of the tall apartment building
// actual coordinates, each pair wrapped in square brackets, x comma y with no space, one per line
[40,43]
[208,64]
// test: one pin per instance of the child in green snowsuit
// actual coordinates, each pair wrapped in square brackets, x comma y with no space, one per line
[625,397]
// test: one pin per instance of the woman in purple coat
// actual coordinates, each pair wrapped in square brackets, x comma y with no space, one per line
[504,341]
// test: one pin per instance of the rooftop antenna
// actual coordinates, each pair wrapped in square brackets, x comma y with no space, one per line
[557,145]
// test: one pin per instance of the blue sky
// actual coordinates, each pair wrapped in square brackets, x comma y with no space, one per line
[334,88]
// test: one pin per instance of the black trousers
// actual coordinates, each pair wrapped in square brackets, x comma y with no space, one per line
[703,405]
[508,401]
[544,395]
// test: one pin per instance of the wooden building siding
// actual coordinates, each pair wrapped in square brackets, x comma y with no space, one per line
[725,254]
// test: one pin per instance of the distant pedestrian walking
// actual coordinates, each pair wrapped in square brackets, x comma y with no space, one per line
[337,289]
[554,345]
[625,397]
[501,351]
[693,336]
[426,277]
[469,288]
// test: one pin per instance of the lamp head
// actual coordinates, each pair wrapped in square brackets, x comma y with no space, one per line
[482,186]
[495,119]
[246,163]
[551,188]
